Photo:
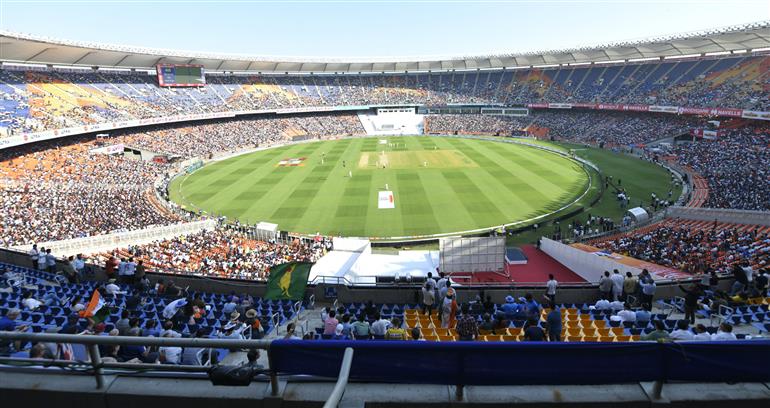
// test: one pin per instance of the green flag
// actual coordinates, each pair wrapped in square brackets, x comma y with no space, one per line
[288,281]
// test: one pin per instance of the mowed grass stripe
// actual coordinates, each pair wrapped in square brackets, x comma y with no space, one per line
[320,208]
[483,211]
[416,209]
[320,197]
[523,192]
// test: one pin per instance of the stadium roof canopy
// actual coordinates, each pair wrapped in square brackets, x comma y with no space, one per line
[23,48]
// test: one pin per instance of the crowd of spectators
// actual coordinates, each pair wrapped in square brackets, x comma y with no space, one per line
[60,190]
[735,166]
[695,249]
[222,252]
[67,98]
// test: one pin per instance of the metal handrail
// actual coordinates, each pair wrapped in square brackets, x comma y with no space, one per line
[342,380]
[92,342]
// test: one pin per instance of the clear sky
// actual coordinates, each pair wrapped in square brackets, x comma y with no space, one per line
[364,28]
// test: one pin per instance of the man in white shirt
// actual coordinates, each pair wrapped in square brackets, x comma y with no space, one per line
[112,288]
[725,333]
[380,326]
[34,255]
[682,332]
[627,315]
[50,261]
[550,291]
[129,271]
[617,285]
[41,260]
[442,281]
[170,354]
[602,304]
[616,305]
[29,302]
[701,334]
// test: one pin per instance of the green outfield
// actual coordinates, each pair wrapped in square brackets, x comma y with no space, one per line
[439,184]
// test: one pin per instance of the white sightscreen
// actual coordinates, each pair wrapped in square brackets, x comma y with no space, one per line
[486,254]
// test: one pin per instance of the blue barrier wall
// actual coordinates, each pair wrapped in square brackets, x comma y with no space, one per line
[476,363]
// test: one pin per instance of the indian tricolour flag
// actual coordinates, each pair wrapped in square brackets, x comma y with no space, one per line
[97,309]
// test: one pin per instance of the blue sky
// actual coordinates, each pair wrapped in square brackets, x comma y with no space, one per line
[370,28]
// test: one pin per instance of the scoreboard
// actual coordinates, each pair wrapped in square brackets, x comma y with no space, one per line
[180,75]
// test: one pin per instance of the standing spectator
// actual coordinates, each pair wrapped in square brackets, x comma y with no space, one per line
[467,329]
[630,284]
[448,308]
[648,293]
[42,260]
[553,323]
[550,291]
[80,265]
[428,297]
[69,270]
[617,285]
[34,255]
[741,280]
[605,286]
[50,261]
[691,301]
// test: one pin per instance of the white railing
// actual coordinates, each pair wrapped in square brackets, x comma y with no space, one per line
[108,242]
[720,215]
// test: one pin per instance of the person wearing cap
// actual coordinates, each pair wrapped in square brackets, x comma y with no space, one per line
[510,308]
[338,335]
[253,322]
[232,330]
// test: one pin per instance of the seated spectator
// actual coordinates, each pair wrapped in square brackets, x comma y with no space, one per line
[360,328]
[170,354]
[29,302]
[129,353]
[124,323]
[628,315]
[533,331]
[151,329]
[41,352]
[380,326]
[251,359]
[168,328]
[416,334]
[643,316]
[330,324]
[682,331]
[486,323]
[701,334]
[660,333]
[290,328]
[395,331]
[725,333]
